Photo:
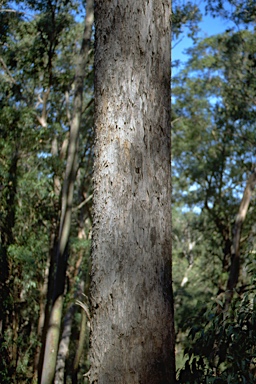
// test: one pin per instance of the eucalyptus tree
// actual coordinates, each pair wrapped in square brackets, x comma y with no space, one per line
[53,331]
[214,127]
[214,174]
[132,339]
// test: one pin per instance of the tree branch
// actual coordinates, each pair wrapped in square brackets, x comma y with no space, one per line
[7,71]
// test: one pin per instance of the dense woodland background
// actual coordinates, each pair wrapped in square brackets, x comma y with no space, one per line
[214,177]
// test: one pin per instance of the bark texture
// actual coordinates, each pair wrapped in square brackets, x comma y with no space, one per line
[132,338]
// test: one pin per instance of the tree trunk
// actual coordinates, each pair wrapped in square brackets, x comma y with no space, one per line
[41,320]
[64,345]
[53,332]
[68,319]
[80,347]
[49,295]
[132,339]
[48,284]
[235,262]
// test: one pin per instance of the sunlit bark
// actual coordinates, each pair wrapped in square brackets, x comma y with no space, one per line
[132,338]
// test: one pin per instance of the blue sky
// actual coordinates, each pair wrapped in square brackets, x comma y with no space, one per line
[208,26]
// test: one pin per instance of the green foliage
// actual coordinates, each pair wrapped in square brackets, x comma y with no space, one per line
[214,123]
[185,15]
[213,141]
[38,50]
[240,11]
[222,346]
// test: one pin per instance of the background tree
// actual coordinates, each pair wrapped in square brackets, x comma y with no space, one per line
[213,161]
[53,331]
[38,47]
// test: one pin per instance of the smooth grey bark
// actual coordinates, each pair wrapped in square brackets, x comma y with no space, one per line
[132,339]
[80,346]
[237,231]
[64,345]
[53,331]
[46,290]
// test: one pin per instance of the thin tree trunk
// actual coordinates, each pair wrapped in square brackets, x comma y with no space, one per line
[67,324]
[48,304]
[64,345]
[78,288]
[132,339]
[235,262]
[43,305]
[53,332]
[40,326]
[80,347]
[46,300]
